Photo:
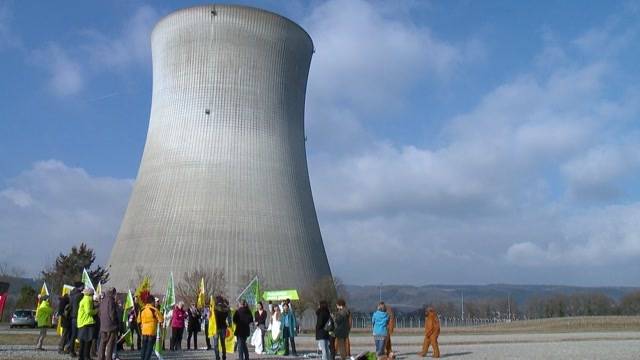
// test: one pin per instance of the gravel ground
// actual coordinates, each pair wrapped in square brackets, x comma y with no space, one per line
[596,345]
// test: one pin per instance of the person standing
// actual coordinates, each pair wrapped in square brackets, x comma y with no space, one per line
[289,326]
[74,299]
[242,318]
[222,313]
[206,312]
[135,326]
[390,328]
[109,323]
[43,319]
[343,327]
[64,312]
[324,324]
[177,326]
[193,327]
[431,333]
[379,322]
[86,323]
[148,318]
[260,318]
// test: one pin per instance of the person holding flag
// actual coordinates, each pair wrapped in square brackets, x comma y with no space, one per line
[64,319]
[149,319]
[74,300]
[220,313]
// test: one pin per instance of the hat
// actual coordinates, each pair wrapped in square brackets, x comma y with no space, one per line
[87,291]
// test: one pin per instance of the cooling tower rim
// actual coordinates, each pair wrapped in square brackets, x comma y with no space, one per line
[218,6]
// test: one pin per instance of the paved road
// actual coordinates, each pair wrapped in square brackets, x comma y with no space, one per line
[607,345]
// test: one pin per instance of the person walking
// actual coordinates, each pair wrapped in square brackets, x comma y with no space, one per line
[193,327]
[242,318]
[324,325]
[86,323]
[177,326]
[343,327]
[149,318]
[43,319]
[109,323]
[222,313]
[379,322]
[64,318]
[75,296]
[288,326]
[431,333]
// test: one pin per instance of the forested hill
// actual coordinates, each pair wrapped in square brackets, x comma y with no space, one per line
[408,298]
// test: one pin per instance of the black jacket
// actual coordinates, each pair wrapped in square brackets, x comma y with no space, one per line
[261,319]
[74,298]
[322,317]
[222,313]
[194,320]
[243,319]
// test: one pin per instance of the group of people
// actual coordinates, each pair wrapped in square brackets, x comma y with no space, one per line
[92,326]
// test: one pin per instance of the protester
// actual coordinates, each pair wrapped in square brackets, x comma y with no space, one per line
[289,325]
[390,328]
[74,299]
[274,344]
[148,318]
[324,324]
[177,326]
[134,325]
[95,341]
[43,319]
[221,311]
[260,318]
[193,327]
[379,322]
[242,318]
[206,313]
[86,323]
[109,324]
[431,333]
[64,319]
[343,327]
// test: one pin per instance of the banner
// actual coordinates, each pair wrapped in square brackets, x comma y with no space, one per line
[277,295]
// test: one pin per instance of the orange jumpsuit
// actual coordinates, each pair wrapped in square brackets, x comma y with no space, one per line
[431,333]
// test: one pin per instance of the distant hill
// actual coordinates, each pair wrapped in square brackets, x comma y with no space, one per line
[408,298]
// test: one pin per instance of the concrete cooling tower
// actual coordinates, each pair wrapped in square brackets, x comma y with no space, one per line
[223,180]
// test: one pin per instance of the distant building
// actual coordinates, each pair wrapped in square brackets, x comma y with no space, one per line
[223,181]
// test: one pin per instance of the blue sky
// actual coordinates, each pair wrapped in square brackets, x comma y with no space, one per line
[458,141]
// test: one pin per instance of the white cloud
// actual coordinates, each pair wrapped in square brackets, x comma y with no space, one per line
[51,207]
[369,57]
[66,76]
[131,46]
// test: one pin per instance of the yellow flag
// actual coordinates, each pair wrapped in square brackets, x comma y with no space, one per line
[213,328]
[44,290]
[200,302]
[66,289]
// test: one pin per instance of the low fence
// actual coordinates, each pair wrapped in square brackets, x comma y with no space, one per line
[403,322]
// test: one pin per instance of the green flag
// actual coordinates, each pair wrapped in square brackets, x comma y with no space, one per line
[169,297]
[251,294]
[86,280]
[128,305]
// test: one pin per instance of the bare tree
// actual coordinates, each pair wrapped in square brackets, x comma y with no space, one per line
[215,284]
[141,273]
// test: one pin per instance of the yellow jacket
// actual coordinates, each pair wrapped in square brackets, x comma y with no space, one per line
[86,311]
[148,319]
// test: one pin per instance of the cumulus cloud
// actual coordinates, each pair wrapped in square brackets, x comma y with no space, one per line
[369,56]
[51,207]
[66,76]
[130,46]
[501,193]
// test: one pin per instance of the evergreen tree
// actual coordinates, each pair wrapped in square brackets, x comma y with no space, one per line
[67,268]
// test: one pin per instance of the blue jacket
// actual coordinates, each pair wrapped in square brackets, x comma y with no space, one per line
[379,320]
[288,319]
